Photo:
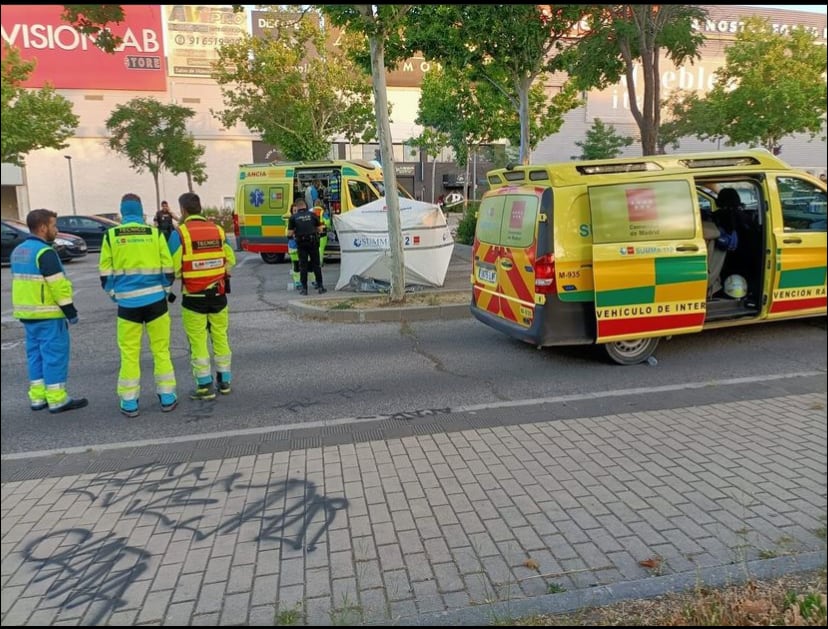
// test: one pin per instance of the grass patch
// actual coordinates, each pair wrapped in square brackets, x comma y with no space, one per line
[288,616]
[792,600]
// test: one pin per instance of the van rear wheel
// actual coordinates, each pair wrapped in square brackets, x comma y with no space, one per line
[273,258]
[631,352]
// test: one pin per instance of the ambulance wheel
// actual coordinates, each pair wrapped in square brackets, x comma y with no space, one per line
[273,258]
[631,352]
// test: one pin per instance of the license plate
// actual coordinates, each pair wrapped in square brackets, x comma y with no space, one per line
[486,275]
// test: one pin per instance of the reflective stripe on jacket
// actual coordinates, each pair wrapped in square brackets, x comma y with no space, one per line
[34,295]
[135,266]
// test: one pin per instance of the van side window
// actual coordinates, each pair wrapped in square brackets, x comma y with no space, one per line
[360,192]
[655,210]
[803,204]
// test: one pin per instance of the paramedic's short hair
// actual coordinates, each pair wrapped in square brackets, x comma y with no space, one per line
[37,218]
[300,204]
[191,202]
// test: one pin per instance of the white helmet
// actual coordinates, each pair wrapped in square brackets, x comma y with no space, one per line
[735,286]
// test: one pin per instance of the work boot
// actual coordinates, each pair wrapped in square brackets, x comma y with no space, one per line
[322,289]
[204,392]
[303,291]
[168,402]
[70,405]
[38,406]
[223,380]
[129,408]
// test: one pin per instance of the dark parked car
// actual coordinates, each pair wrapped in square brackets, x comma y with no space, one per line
[14,232]
[90,228]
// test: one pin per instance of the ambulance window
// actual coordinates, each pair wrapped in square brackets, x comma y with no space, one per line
[360,193]
[508,220]
[656,210]
[803,205]
[489,218]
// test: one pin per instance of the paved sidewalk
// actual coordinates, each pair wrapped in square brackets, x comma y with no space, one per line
[396,530]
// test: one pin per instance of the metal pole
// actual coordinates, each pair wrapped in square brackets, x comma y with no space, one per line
[71,184]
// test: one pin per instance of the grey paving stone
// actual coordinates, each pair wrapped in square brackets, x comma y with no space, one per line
[374,605]
[263,616]
[211,598]
[265,590]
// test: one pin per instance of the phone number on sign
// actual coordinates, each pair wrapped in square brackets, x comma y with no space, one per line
[198,40]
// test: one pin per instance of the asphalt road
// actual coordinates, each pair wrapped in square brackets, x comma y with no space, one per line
[290,371]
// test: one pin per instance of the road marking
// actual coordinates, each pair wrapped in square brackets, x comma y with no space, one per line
[363,419]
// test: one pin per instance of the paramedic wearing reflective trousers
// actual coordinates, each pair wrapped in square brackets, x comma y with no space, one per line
[305,227]
[136,272]
[203,260]
[42,301]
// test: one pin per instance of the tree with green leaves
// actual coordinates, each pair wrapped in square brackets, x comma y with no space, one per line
[94,20]
[382,25]
[625,38]
[510,47]
[294,91]
[153,136]
[432,142]
[602,142]
[772,85]
[183,156]
[31,118]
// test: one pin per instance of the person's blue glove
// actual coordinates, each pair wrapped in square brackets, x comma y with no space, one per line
[73,320]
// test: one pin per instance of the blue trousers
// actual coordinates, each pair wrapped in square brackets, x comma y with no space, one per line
[47,350]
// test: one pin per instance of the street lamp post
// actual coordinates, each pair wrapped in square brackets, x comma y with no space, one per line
[71,184]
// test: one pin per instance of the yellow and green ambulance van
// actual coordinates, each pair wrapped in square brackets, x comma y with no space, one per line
[627,251]
[265,193]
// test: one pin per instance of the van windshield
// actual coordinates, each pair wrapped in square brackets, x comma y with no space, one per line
[380,185]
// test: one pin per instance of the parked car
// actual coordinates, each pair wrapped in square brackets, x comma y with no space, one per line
[14,232]
[90,228]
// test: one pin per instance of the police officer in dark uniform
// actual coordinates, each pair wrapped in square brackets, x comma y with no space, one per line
[305,227]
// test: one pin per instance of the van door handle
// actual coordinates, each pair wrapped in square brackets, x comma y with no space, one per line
[687,248]
[792,241]
[506,263]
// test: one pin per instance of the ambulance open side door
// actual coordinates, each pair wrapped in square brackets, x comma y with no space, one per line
[649,258]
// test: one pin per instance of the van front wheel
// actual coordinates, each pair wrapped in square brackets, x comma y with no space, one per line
[631,352]
[273,258]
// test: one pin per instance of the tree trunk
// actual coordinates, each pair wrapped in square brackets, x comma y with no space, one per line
[392,200]
[523,93]
[433,177]
[157,193]
[189,181]
[474,176]
[466,181]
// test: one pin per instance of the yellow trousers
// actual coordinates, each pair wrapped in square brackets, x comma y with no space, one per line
[130,337]
[198,328]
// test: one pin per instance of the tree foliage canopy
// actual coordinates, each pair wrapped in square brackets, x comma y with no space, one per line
[772,85]
[510,47]
[294,91]
[31,119]
[153,136]
[94,20]
[602,141]
[624,38]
